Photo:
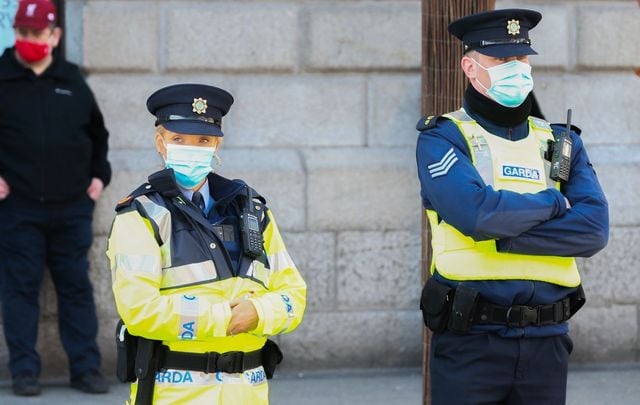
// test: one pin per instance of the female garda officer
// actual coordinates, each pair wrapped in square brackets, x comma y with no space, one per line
[198,263]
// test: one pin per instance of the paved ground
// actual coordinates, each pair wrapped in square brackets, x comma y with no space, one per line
[590,385]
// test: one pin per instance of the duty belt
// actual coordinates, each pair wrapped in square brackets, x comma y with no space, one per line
[522,315]
[459,309]
[211,362]
[152,356]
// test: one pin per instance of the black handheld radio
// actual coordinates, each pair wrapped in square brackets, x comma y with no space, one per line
[559,153]
[250,228]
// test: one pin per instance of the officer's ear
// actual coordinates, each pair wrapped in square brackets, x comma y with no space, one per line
[469,66]
[160,144]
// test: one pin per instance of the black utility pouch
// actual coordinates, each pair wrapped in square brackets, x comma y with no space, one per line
[435,305]
[271,357]
[462,311]
[577,299]
[126,348]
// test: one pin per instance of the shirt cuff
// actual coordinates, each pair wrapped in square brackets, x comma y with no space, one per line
[561,203]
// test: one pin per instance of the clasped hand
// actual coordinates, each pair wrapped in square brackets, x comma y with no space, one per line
[93,191]
[244,316]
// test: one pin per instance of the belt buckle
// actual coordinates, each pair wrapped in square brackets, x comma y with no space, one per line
[231,362]
[212,362]
[521,316]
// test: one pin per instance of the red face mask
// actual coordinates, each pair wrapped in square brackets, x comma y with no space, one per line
[32,52]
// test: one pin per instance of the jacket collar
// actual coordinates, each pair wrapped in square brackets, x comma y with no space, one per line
[508,123]
[222,190]
[493,112]
[10,68]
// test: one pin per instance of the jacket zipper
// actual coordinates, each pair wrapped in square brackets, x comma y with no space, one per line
[42,137]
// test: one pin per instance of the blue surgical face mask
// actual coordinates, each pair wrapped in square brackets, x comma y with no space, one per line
[191,164]
[511,82]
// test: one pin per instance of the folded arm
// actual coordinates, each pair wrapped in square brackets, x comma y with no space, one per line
[135,259]
[455,189]
[583,230]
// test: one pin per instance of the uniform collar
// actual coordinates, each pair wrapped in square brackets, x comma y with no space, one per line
[221,189]
[224,190]
[204,190]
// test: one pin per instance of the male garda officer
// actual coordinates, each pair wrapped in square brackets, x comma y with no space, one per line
[504,235]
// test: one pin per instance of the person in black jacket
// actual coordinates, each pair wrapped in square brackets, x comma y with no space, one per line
[53,167]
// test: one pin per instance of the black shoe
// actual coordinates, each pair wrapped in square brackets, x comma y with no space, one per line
[91,382]
[26,385]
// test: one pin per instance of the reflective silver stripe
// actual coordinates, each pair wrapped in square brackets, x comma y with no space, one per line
[172,377]
[543,132]
[137,263]
[287,324]
[186,378]
[160,215]
[460,115]
[251,270]
[481,152]
[290,312]
[540,123]
[189,317]
[547,174]
[194,273]
[280,260]
[484,160]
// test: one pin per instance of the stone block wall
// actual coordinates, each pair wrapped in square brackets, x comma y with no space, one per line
[327,97]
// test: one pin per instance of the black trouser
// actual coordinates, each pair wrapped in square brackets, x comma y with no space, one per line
[58,235]
[488,369]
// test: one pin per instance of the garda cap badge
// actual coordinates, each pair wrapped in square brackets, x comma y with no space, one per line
[199,105]
[513,27]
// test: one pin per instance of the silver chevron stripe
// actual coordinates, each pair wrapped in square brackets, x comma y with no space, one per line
[442,167]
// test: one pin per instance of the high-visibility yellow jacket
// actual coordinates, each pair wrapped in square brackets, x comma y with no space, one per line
[173,281]
[504,165]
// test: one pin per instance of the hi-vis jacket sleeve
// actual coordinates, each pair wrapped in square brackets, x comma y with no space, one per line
[281,309]
[135,258]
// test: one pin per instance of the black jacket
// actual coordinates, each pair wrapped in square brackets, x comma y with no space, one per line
[52,135]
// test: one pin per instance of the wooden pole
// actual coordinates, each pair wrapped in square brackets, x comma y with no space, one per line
[443,85]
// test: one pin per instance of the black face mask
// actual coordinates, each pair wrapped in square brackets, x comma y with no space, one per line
[497,113]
